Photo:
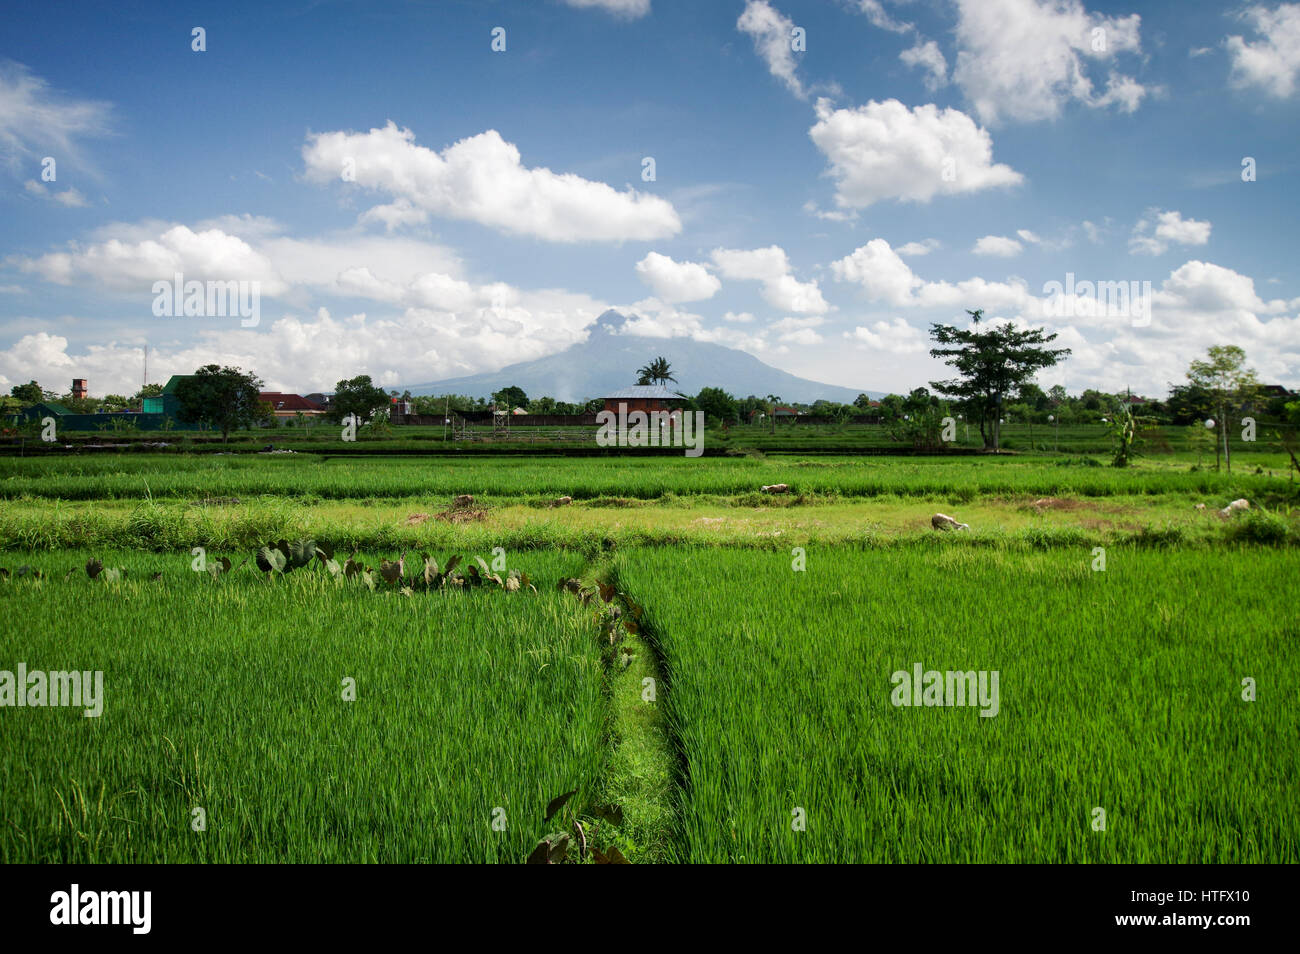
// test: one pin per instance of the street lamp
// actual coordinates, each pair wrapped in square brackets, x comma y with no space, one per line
[1056,433]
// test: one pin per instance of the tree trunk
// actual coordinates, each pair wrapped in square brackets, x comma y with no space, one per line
[1227,450]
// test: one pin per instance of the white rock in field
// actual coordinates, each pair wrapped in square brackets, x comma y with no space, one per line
[941,521]
[563,501]
[463,500]
[776,488]
[1241,503]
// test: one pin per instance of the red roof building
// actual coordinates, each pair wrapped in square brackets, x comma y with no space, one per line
[290,405]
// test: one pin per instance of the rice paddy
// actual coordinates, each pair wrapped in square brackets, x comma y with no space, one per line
[733,701]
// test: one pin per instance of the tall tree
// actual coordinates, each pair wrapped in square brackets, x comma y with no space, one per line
[717,405]
[658,371]
[358,397]
[992,363]
[507,399]
[1229,383]
[29,393]
[224,399]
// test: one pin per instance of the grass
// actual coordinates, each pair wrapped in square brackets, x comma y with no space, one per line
[588,526]
[196,477]
[228,696]
[1119,689]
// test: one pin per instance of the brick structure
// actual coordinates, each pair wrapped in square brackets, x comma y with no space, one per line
[644,397]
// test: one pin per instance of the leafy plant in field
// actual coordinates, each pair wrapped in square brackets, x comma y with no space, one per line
[554,848]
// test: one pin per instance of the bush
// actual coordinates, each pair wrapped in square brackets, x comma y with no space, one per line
[1258,526]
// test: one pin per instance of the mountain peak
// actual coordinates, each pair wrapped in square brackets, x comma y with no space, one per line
[608,361]
[609,322]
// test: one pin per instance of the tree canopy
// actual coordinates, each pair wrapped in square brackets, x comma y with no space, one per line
[357,397]
[658,371]
[992,363]
[225,399]
[507,399]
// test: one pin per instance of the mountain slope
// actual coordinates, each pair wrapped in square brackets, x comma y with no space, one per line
[607,361]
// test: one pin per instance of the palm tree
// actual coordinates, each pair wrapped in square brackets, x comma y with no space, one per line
[657,371]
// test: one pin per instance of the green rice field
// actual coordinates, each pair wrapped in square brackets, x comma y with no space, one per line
[715,683]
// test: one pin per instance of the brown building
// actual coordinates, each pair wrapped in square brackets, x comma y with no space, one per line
[79,389]
[290,405]
[644,397]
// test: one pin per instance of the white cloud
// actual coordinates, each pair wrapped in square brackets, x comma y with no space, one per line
[886,277]
[677,281]
[1025,59]
[1157,230]
[630,9]
[802,336]
[929,58]
[798,331]
[829,215]
[303,354]
[481,179]
[36,121]
[923,247]
[878,269]
[770,31]
[887,151]
[771,267]
[654,318]
[71,197]
[895,337]
[1273,62]
[740,318]
[133,266]
[879,17]
[997,245]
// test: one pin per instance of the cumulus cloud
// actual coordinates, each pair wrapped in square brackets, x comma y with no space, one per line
[482,179]
[998,246]
[134,265]
[798,331]
[37,121]
[1025,59]
[923,247]
[928,57]
[1157,230]
[770,31]
[1200,304]
[895,337]
[884,150]
[771,267]
[1272,62]
[885,277]
[654,318]
[401,348]
[629,9]
[677,281]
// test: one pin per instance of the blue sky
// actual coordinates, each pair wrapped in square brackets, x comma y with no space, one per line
[409,203]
